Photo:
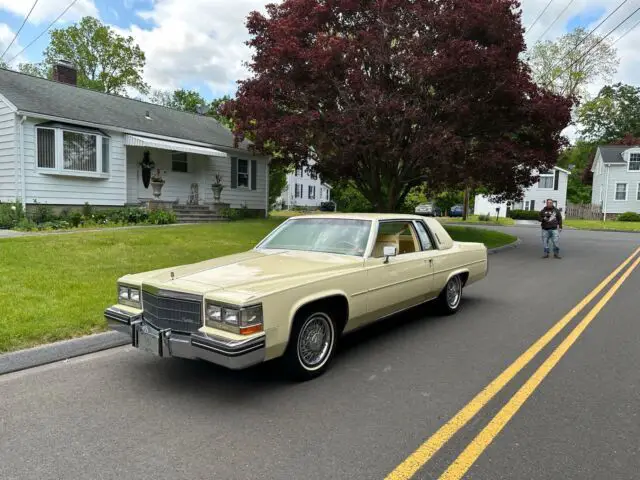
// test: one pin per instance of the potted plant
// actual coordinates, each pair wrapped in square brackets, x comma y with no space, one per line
[157,182]
[146,164]
[217,187]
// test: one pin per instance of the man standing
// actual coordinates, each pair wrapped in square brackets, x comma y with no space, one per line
[551,222]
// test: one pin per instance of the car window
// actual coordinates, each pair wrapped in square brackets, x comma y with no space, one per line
[401,235]
[424,236]
[327,235]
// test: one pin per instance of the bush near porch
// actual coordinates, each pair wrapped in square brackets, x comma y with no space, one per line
[59,285]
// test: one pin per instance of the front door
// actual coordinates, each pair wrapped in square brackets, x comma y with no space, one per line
[406,279]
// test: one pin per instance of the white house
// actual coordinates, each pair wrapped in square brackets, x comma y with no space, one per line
[64,146]
[552,184]
[304,189]
[616,179]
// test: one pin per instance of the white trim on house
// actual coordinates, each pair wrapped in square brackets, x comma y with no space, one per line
[629,162]
[136,141]
[10,105]
[626,192]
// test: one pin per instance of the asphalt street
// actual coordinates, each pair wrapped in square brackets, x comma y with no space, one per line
[121,414]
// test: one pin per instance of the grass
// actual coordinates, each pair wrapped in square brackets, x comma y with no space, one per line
[475,220]
[490,238]
[600,225]
[57,286]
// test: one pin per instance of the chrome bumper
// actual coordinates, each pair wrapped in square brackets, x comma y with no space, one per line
[234,355]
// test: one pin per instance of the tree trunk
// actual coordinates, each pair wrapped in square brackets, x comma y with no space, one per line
[465,210]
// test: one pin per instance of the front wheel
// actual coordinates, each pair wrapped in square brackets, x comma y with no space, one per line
[451,295]
[311,347]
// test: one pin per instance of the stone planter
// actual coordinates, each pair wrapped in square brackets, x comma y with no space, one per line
[217,190]
[157,188]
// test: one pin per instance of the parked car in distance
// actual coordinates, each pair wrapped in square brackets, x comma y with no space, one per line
[456,211]
[329,206]
[428,210]
[311,280]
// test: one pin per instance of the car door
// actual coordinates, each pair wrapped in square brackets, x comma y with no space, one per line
[401,281]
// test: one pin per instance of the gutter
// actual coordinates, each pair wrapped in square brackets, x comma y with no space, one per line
[22,179]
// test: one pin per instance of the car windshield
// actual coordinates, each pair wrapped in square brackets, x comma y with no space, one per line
[327,235]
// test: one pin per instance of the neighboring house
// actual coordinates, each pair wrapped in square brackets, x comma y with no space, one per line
[552,184]
[304,189]
[616,179]
[64,146]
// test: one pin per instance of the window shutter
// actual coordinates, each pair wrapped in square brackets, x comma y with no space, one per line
[557,178]
[254,172]
[234,172]
[533,202]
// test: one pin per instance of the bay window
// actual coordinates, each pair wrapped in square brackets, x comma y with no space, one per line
[61,149]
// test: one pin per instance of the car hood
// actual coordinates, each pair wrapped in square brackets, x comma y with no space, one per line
[251,272]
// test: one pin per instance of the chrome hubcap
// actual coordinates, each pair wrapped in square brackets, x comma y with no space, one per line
[315,341]
[454,291]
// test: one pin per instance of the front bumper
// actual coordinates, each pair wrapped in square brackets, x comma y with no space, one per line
[232,354]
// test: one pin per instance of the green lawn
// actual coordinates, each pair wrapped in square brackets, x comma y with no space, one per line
[600,225]
[474,220]
[490,238]
[57,286]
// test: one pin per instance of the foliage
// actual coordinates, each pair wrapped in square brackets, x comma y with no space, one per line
[629,217]
[106,62]
[162,217]
[216,112]
[611,115]
[448,199]
[181,99]
[484,218]
[11,214]
[349,199]
[415,197]
[277,180]
[392,94]
[36,70]
[570,64]
[239,213]
[524,214]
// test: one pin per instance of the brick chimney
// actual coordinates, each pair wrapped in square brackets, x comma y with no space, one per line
[65,72]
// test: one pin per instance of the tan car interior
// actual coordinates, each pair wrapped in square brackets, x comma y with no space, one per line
[405,241]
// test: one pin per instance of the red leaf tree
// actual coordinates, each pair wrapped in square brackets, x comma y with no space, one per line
[395,93]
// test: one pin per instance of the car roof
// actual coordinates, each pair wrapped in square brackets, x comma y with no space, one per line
[361,216]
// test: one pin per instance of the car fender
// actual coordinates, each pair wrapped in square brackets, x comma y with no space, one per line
[457,271]
[307,299]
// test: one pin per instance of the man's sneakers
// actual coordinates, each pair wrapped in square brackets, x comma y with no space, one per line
[557,255]
[546,255]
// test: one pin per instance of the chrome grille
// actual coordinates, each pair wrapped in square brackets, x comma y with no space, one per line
[177,311]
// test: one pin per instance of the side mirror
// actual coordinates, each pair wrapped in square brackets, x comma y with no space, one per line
[389,252]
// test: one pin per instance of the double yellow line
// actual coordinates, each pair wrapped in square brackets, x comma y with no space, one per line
[471,453]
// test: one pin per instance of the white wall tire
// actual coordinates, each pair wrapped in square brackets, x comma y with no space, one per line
[451,296]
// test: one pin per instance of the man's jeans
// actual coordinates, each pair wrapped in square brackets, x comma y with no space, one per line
[554,237]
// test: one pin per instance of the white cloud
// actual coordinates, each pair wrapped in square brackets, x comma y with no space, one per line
[200,41]
[48,10]
[6,36]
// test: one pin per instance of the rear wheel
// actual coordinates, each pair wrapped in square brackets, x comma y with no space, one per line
[312,345]
[451,295]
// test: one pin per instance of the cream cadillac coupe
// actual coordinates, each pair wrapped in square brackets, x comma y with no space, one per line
[312,279]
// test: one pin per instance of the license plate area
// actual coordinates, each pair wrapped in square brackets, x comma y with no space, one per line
[150,339]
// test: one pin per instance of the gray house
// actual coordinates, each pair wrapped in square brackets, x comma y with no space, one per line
[64,146]
[616,179]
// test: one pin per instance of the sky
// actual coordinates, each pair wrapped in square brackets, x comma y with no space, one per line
[200,44]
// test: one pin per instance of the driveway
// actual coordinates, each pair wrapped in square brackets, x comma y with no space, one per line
[122,414]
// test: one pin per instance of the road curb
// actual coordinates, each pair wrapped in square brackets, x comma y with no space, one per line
[63,350]
[509,246]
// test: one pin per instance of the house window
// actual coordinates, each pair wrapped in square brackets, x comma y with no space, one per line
[621,192]
[298,172]
[638,192]
[533,203]
[80,152]
[298,190]
[312,192]
[634,162]
[546,181]
[60,150]
[46,140]
[179,162]
[243,173]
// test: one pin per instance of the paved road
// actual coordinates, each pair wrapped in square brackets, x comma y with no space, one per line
[121,414]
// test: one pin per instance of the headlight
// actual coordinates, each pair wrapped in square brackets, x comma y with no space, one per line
[242,320]
[129,296]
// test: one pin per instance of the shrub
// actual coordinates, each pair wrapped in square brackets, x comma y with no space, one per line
[162,217]
[11,214]
[42,213]
[629,217]
[484,218]
[524,214]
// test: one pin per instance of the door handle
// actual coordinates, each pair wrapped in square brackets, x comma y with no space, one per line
[431,262]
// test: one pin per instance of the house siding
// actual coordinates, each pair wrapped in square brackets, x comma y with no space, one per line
[8,153]
[200,170]
[539,196]
[619,174]
[60,190]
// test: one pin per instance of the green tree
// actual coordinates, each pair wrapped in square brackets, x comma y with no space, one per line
[35,69]
[568,65]
[614,113]
[181,99]
[106,62]
[215,111]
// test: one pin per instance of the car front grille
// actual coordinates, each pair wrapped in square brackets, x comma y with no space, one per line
[178,311]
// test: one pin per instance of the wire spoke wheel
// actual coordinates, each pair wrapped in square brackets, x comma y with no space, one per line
[454,292]
[315,341]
